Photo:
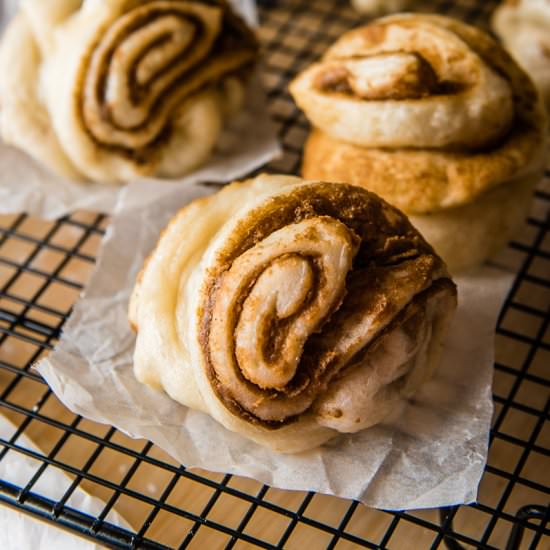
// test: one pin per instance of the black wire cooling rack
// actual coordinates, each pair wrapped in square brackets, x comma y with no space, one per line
[42,268]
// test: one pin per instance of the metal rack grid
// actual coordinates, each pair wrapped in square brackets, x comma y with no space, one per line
[43,266]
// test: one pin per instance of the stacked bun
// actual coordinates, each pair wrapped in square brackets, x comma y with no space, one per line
[435,117]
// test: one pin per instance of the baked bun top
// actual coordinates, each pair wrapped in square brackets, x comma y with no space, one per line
[431,85]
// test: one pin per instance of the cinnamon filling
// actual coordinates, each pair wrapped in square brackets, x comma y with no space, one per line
[398,76]
[393,269]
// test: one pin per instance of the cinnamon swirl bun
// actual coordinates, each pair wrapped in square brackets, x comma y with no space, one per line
[433,115]
[290,311]
[110,91]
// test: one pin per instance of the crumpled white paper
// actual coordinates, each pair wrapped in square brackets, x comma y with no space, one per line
[248,141]
[22,531]
[431,455]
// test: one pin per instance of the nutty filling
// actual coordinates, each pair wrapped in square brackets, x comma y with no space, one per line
[338,80]
[408,319]
[276,334]
[133,26]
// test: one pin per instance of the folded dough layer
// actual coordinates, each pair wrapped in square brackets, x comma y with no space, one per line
[124,86]
[421,181]
[293,311]
[411,81]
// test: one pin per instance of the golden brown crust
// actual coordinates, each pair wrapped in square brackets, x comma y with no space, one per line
[467,235]
[419,181]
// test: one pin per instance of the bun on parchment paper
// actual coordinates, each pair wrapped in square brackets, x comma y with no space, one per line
[291,311]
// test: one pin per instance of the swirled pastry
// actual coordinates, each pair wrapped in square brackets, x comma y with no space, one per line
[378,7]
[290,311]
[524,27]
[110,91]
[431,114]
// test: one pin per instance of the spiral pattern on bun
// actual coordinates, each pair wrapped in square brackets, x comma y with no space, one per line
[137,88]
[309,309]
[133,78]
[412,81]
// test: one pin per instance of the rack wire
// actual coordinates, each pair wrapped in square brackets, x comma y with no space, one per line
[43,267]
